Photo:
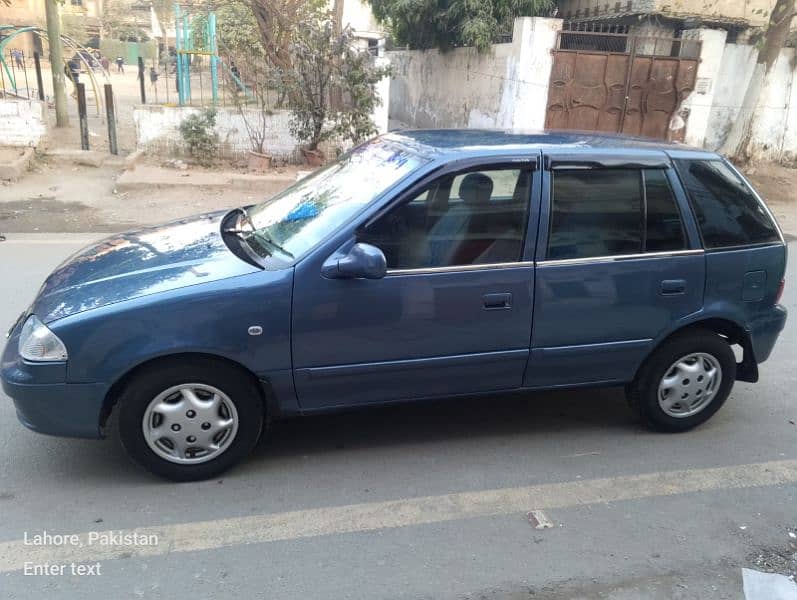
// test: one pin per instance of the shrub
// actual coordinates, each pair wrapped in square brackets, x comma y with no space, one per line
[200,138]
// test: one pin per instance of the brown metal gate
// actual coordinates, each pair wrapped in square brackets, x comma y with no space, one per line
[621,84]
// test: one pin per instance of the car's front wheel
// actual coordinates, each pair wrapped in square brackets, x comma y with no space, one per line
[190,419]
[684,382]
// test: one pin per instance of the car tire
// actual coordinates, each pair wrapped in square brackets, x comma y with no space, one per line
[168,403]
[684,382]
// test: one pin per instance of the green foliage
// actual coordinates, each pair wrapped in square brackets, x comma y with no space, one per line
[198,135]
[236,29]
[331,87]
[422,24]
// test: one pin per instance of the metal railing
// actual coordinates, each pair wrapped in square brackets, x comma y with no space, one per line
[625,43]
[18,76]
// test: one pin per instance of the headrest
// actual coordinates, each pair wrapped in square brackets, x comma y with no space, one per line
[476,188]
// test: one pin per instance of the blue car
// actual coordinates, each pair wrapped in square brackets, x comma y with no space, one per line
[421,264]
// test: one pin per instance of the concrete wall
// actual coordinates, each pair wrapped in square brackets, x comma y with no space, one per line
[695,109]
[775,122]
[22,123]
[506,87]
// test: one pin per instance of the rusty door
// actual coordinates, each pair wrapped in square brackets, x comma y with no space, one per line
[618,92]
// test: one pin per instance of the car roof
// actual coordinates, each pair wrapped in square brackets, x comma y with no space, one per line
[452,143]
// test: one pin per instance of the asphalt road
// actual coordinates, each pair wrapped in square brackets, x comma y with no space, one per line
[422,501]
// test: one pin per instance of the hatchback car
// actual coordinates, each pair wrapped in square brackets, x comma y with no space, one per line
[421,264]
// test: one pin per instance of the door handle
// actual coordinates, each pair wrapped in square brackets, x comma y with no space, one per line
[672,287]
[497,301]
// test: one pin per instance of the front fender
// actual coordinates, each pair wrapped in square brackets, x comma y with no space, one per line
[213,318]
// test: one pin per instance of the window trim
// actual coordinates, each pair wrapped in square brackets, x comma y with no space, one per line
[457,268]
[565,163]
[619,257]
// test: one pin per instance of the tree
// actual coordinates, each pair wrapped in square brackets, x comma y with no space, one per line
[74,27]
[119,24]
[277,20]
[737,144]
[323,61]
[422,24]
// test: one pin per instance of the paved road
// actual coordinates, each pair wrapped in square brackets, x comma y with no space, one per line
[417,501]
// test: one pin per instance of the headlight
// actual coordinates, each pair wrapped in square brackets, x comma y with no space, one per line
[38,344]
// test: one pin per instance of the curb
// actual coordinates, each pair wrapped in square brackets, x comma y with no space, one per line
[88,158]
[137,180]
[14,170]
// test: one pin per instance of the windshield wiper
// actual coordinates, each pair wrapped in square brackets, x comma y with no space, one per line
[270,242]
[246,234]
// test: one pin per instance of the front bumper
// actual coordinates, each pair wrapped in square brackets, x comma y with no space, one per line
[45,402]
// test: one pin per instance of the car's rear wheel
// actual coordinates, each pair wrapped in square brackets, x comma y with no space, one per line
[684,382]
[190,420]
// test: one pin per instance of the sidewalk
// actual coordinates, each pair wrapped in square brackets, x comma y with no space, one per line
[148,177]
[61,196]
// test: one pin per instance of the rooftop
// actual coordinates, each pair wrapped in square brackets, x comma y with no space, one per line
[489,140]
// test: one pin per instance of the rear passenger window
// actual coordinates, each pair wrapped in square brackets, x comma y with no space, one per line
[608,212]
[727,211]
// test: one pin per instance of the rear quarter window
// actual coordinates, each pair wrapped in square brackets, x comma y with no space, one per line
[727,212]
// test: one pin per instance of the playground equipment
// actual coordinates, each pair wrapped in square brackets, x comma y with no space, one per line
[185,49]
[12,31]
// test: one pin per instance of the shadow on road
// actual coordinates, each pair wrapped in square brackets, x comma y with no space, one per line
[456,420]
[435,421]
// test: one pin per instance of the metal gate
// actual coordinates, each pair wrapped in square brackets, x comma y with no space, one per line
[621,83]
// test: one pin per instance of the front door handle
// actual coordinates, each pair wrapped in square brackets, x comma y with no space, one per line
[672,287]
[497,301]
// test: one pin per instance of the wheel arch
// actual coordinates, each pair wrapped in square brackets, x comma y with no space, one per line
[735,333]
[115,391]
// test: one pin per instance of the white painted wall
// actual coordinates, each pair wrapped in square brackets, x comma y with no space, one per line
[696,108]
[775,122]
[157,131]
[735,70]
[22,123]
[506,87]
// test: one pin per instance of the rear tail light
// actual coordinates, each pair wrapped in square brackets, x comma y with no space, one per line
[781,285]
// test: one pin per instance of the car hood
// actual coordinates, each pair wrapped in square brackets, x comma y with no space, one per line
[137,263]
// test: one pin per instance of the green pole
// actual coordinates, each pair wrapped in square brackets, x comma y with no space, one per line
[214,76]
[178,59]
[186,57]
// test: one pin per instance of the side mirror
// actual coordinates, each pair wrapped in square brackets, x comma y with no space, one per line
[362,261]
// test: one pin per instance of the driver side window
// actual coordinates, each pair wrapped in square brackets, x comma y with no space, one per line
[470,218]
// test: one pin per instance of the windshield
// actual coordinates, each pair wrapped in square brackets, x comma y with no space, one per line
[294,221]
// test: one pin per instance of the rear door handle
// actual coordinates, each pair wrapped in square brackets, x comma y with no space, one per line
[672,287]
[497,301]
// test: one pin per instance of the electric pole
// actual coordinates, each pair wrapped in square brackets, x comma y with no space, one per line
[56,62]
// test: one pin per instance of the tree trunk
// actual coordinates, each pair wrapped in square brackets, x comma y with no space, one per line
[51,10]
[737,144]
